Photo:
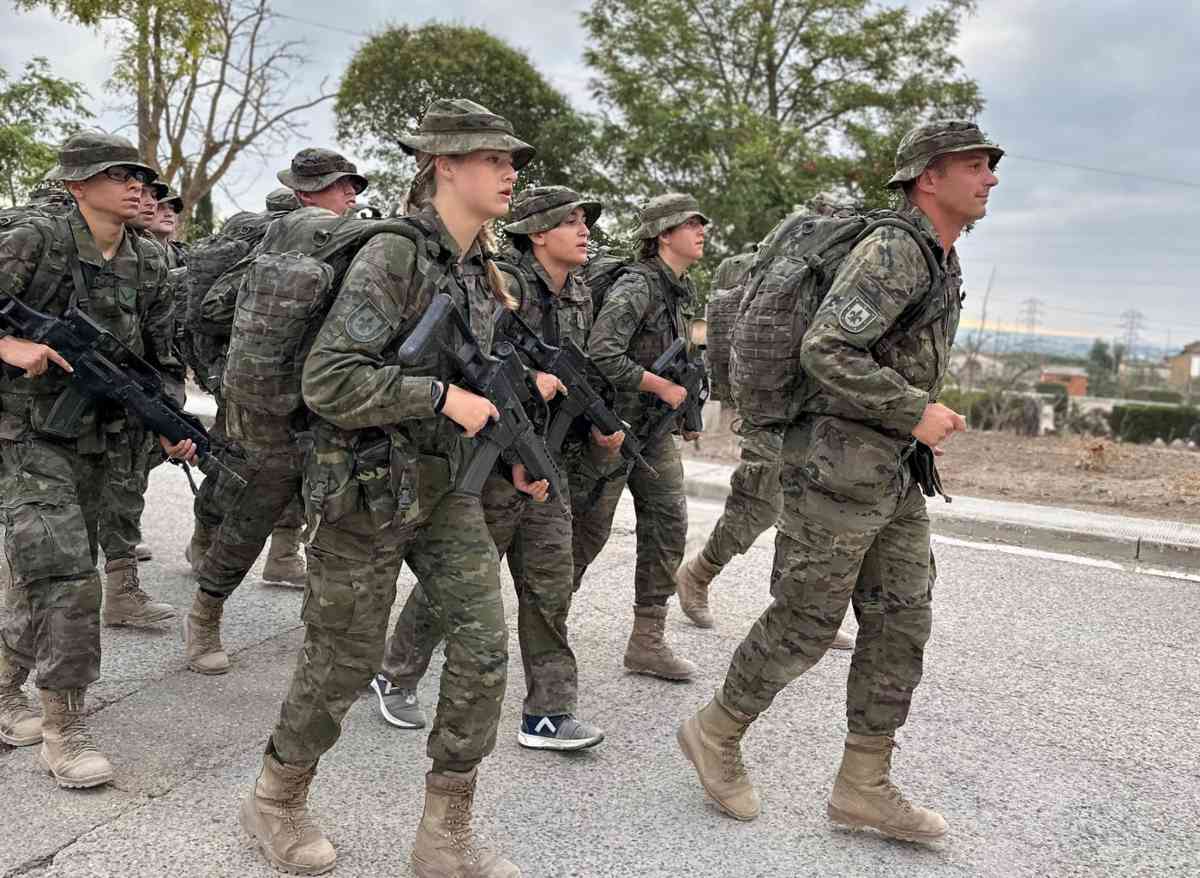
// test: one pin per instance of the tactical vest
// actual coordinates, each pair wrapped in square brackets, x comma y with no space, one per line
[554,317]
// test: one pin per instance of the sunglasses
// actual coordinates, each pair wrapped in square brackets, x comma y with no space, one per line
[123,174]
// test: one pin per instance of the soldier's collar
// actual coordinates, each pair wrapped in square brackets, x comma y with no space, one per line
[446,240]
[85,242]
[682,283]
[917,217]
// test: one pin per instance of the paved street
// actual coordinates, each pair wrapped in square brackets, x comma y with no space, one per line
[1056,730]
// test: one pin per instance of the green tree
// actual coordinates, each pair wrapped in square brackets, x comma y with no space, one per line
[396,74]
[37,111]
[757,106]
[1101,369]
[206,82]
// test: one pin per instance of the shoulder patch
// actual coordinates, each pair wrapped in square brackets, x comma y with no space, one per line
[857,314]
[366,322]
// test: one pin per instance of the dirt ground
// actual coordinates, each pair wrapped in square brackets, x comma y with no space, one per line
[1074,472]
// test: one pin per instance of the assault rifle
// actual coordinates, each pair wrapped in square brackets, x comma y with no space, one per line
[107,370]
[570,366]
[500,379]
[675,366]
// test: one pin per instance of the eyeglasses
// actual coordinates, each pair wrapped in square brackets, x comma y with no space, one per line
[124,173]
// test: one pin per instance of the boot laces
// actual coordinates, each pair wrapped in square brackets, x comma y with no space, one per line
[206,633]
[14,702]
[732,765]
[131,586]
[76,739]
[295,809]
[458,825]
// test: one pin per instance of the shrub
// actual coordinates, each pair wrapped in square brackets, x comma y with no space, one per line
[1145,423]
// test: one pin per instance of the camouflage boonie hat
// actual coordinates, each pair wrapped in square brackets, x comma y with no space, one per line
[459,126]
[941,137]
[160,190]
[282,198]
[89,153]
[542,208]
[664,212]
[314,169]
[172,198]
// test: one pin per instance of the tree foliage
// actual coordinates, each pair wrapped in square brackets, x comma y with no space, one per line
[37,111]
[395,75]
[207,82]
[757,106]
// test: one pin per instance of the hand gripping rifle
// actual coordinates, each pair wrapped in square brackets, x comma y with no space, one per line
[500,379]
[675,366]
[570,366]
[108,370]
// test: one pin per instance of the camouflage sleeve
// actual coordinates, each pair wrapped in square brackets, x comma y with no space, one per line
[882,276]
[346,380]
[158,328]
[623,311]
[20,250]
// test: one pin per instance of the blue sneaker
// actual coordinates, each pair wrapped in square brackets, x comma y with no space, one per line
[399,707]
[557,733]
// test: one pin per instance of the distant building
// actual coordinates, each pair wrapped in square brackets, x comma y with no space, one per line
[1185,367]
[1074,378]
[972,370]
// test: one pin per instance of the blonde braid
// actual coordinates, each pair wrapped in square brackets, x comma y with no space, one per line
[486,241]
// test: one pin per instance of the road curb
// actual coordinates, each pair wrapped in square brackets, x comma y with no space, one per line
[1128,540]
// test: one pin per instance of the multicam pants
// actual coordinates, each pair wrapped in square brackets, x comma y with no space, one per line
[352,570]
[755,498]
[661,509]
[50,498]
[131,454]
[849,533]
[536,537]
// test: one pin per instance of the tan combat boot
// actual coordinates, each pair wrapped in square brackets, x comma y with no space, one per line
[864,795]
[648,653]
[691,585]
[712,740]
[284,563]
[445,846]
[843,639]
[67,747]
[202,636]
[197,548]
[275,814]
[124,601]
[19,725]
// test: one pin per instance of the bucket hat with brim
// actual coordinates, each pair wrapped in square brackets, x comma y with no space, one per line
[664,212]
[459,126]
[314,169]
[941,137]
[542,208]
[89,153]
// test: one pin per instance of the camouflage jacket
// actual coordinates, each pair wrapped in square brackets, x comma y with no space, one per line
[127,295]
[570,309]
[351,381]
[644,312]
[878,347]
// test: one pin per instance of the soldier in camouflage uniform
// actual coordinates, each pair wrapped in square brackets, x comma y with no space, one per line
[642,315]
[51,484]
[755,496]
[854,527]
[284,565]
[550,231]
[365,528]
[269,458]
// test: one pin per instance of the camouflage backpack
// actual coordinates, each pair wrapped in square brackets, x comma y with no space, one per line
[720,313]
[285,290]
[602,272]
[791,275]
[57,241]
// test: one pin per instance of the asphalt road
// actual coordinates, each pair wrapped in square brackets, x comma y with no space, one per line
[1055,729]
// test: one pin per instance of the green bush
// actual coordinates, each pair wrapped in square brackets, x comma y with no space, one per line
[1145,423]
[1171,396]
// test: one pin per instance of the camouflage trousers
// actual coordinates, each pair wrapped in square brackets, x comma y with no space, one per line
[755,498]
[131,454]
[272,464]
[215,498]
[536,538]
[50,498]
[661,509]
[352,571]
[847,535]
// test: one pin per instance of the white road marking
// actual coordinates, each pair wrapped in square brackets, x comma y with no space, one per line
[1079,560]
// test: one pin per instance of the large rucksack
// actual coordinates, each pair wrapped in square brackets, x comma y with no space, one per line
[285,291]
[719,316]
[602,273]
[791,275]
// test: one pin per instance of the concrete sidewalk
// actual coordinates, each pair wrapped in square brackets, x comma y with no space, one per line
[1142,541]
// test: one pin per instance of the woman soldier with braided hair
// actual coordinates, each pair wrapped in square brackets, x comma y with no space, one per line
[372,414]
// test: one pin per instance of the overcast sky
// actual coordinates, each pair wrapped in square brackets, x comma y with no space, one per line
[1109,85]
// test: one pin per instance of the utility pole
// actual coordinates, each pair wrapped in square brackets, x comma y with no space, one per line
[1031,312]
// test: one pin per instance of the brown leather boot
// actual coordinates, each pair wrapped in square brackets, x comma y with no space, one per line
[68,751]
[276,815]
[284,563]
[864,795]
[691,585]
[20,726]
[202,636]
[648,653]
[712,740]
[445,846]
[124,601]
[197,548]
